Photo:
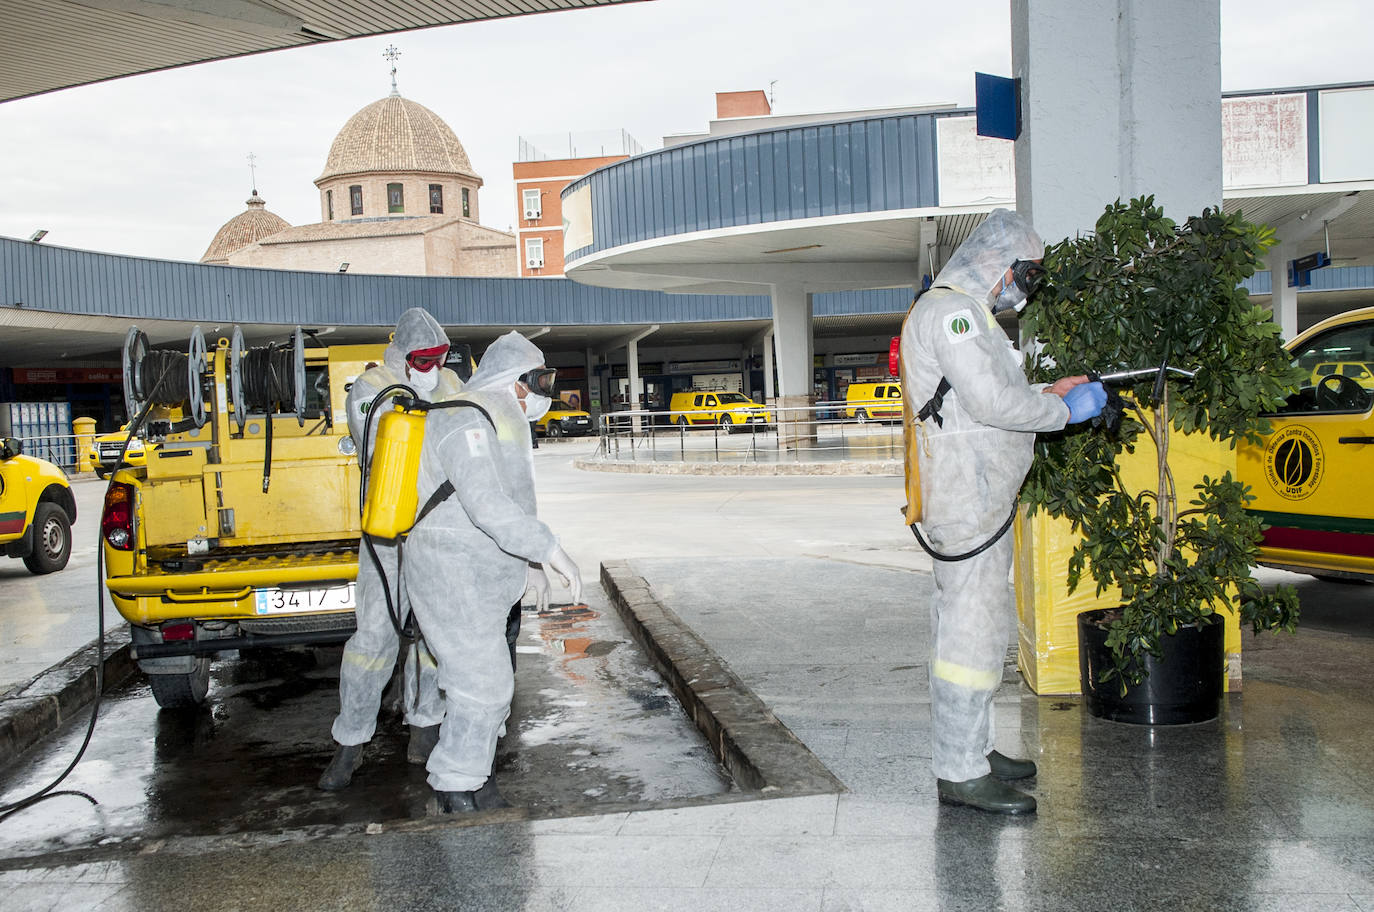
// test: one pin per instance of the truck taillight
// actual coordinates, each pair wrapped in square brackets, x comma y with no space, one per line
[117,521]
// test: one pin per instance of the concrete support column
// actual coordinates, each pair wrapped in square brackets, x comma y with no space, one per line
[1283,301]
[768,391]
[594,393]
[792,332]
[632,395]
[1119,98]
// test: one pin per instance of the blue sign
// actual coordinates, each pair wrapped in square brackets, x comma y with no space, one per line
[1300,270]
[998,101]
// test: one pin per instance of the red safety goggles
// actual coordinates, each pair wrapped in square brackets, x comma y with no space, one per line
[426,359]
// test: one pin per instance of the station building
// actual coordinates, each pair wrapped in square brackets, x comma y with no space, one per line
[771,254]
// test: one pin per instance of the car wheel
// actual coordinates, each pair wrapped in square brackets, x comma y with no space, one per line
[185,690]
[726,423]
[52,539]
[553,430]
[862,415]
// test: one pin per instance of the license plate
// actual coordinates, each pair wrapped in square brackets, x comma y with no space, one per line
[303,601]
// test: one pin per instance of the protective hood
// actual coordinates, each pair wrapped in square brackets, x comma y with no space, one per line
[415,330]
[980,261]
[505,360]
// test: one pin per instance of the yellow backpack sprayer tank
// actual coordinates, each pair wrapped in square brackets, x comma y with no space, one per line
[392,499]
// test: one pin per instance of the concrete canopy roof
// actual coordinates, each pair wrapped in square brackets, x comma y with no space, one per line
[47,45]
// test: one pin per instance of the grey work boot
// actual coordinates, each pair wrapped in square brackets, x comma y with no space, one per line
[422,741]
[1004,767]
[487,797]
[339,773]
[455,802]
[985,794]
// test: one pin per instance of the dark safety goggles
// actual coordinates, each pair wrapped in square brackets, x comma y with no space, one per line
[1027,275]
[539,380]
[426,359]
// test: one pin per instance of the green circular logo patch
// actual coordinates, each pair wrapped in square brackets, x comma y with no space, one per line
[959,326]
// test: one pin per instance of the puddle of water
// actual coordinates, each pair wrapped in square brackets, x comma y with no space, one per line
[590,721]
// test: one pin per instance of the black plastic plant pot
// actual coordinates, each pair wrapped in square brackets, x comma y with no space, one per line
[1182,688]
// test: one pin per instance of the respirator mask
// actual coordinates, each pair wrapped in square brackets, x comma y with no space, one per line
[1012,295]
[536,406]
[424,381]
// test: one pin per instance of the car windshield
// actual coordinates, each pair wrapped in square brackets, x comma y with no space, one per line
[731,398]
[1336,365]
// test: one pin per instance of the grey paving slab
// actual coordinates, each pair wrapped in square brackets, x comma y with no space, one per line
[813,595]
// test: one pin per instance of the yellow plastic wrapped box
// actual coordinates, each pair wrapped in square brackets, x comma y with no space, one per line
[1048,613]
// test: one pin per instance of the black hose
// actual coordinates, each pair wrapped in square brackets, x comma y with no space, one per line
[168,368]
[950,558]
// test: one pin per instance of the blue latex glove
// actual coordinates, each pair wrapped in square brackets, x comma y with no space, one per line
[1085,401]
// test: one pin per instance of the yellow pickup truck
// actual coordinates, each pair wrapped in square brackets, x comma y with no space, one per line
[240,531]
[37,509]
[1311,478]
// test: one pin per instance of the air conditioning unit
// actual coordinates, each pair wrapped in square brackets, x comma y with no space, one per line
[532,213]
[534,262]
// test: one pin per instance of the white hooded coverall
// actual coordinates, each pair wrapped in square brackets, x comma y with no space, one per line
[467,561]
[971,469]
[370,653]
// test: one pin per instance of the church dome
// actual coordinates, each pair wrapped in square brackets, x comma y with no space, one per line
[392,135]
[248,227]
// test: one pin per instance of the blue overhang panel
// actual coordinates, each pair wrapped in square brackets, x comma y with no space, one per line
[812,171]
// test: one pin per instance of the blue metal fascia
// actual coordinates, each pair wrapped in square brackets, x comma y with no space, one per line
[781,174]
[61,280]
[1331,278]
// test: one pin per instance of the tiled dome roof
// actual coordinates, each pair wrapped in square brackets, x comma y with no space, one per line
[248,227]
[395,134]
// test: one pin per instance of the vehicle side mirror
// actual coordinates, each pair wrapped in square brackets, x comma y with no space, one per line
[11,447]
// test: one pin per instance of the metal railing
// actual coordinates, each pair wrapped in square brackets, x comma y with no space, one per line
[824,432]
[62,450]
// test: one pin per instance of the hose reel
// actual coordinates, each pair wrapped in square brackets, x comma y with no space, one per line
[263,378]
[167,378]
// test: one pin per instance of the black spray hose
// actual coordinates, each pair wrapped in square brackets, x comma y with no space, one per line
[967,554]
[47,791]
[393,608]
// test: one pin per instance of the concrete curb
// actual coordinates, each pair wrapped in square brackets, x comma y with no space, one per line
[37,709]
[889,467]
[760,752]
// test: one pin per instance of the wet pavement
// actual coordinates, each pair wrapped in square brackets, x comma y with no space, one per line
[814,594]
[591,725]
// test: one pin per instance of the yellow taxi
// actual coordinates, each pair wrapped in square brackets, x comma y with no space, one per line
[1362,372]
[882,400]
[37,509]
[561,420]
[730,411]
[1311,477]
[105,452]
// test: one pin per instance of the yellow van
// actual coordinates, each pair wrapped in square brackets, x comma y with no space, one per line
[37,509]
[1311,476]
[105,452]
[561,420]
[730,411]
[881,400]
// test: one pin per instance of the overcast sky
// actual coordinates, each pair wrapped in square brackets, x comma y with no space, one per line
[153,165]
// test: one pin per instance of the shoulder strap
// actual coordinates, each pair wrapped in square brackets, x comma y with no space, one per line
[933,405]
[445,490]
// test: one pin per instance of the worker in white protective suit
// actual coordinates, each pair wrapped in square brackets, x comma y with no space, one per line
[414,358]
[974,446]
[474,553]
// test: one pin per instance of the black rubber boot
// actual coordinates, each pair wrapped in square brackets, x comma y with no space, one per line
[421,745]
[456,802]
[487,797]
[1004,767]
[339,773]
[985,794]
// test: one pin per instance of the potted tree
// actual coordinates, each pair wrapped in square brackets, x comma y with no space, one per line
[1144,292]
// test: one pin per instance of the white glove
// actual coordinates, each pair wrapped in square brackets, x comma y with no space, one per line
[540,584]
[563,565]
